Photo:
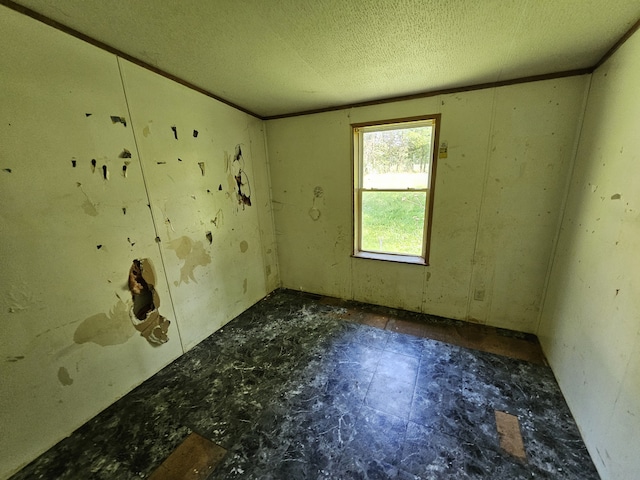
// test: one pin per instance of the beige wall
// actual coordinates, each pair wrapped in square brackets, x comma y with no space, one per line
[68,346]
[590,327]
[498,201]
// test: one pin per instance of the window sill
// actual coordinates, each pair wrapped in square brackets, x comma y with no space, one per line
[387,257]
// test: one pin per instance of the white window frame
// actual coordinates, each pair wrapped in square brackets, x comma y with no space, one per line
[357,147]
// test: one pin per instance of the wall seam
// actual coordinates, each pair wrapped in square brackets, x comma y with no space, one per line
[146,190]
[563,205]
[482,200]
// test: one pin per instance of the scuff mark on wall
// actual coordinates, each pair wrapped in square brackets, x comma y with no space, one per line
[17,358]
[63,377]
[144,313]
[175,132]
[192,254]
[104,329]
[8,170]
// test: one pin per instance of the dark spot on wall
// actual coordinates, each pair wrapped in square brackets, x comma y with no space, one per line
[209,237]
[175,131]
[125,153]
[99,246]
[179,159]
[124,210]
[88,114]
[105,172]
[73,163]
[617,291]
[208,191]
[244,246]
[220,187]
[116,119]
[93,165]
[616,196]
[17,358]
[195,134]
[147,321]
[63,377]
[158,240]
[161,163]
[8,170]
[130,242]
[201,165]
[124,171]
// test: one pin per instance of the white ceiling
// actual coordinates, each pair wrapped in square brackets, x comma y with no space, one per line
[282,56]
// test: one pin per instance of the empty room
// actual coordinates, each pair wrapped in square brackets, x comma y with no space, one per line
[295,239]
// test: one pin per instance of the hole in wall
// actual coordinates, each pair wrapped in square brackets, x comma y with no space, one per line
[145,315]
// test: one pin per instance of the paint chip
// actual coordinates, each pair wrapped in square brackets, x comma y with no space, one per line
[195,134]
[201,165]
[209,237]
[125,153]
[116,119]
[99,246]
[509,434]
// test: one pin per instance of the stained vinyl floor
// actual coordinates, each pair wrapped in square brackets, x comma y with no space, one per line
[304,387]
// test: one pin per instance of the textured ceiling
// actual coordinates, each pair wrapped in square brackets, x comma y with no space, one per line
[282,56]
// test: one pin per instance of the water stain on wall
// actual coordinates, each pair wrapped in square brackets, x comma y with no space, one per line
[89,208]
[104,329]
[193,255]
[63,377]
[244,246]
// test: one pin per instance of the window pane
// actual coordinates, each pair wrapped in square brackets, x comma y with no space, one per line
[397,158]
[392,222]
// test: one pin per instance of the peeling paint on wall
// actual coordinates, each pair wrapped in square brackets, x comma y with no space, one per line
[201,165]
[239,177]
[218,219]
[144,313]
[193,255]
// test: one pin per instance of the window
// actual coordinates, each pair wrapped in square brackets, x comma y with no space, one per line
[394,169]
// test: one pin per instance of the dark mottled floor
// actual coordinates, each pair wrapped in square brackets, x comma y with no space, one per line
[294,391]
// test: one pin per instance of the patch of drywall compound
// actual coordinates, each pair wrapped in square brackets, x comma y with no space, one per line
[104,329]
[144,313]
[193,255]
